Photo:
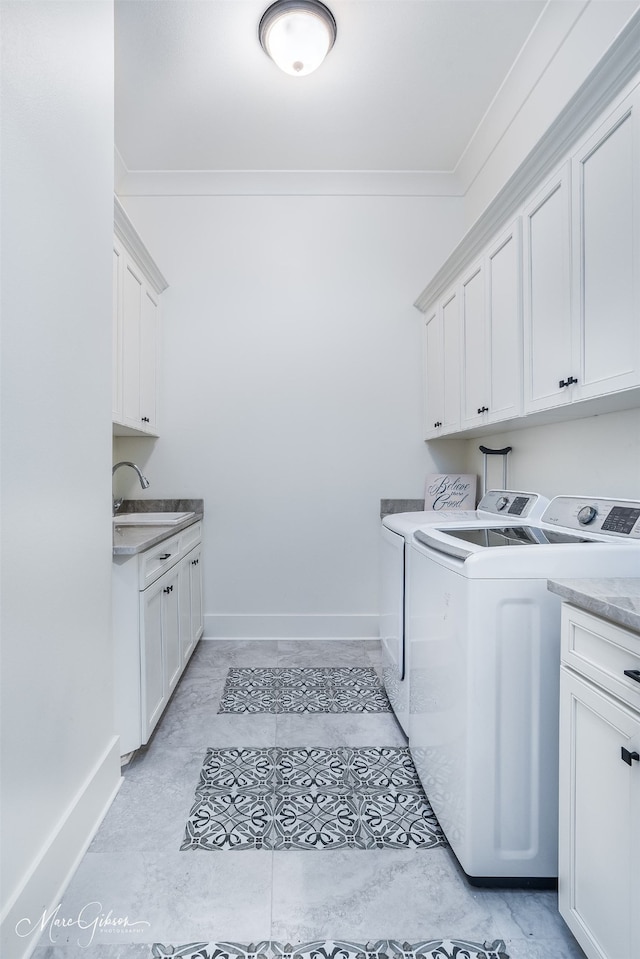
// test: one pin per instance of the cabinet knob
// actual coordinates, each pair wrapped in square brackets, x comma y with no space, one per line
[145,419]
[633,674]
[628,757]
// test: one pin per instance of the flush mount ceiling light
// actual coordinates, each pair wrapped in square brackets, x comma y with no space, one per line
[297,34]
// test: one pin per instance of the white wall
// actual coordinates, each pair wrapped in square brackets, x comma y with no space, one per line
[595,456]
[60,759]
[292,394]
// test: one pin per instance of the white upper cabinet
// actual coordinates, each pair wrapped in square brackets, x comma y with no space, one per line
[491,333]
[549,311]
[606,227]
[442,367]
[136,328]
[547,295]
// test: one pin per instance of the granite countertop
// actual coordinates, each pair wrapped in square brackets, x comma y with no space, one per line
[617,599]
[130,540]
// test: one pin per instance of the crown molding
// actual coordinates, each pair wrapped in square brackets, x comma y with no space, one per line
[125,231]
[407,183]
[614,73]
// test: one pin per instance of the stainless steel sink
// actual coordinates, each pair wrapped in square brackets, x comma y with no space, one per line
[151,519]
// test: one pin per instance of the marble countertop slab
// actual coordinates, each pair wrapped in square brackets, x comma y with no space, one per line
[617,599]
[130,540]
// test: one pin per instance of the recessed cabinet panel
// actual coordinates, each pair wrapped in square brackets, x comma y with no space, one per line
[451,363]
[132,313]
[148,361]
[153,686]
[474,358]
[116,332]
[434,381]
[606,218]
[547,308]
[504,326]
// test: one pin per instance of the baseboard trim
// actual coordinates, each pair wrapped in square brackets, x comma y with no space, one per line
[290,626]
[53,869]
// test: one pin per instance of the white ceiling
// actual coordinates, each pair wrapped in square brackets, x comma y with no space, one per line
[404,88]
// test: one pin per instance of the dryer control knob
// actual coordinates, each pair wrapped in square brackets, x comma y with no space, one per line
[502,503]
[587,515]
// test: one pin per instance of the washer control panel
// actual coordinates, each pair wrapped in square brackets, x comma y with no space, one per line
[507,502]
[612,517]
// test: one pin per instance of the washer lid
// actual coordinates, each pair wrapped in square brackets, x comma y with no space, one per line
[464,542]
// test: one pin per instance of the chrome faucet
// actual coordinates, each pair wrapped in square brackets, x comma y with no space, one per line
[144,482]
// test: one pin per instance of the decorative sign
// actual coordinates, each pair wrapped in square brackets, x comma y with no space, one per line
[450,491]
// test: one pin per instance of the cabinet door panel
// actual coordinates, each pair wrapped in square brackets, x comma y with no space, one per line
[132,311]
[607,179]
[474,372]
[547,297]
[451,363]
[153,692]
[197,619]
[116,331]
[148,362]
[504,326]
[434,381]
[171,629]
[599,834]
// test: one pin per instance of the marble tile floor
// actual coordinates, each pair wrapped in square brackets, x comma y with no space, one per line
[134,867]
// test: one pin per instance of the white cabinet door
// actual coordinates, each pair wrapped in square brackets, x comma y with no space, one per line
[599,852]
[133,292]
[149,361]
[451,363]
[433,365]
[171,649]
[152,679]
[606,210]
[475,391]
[191,617]
[547,296]
[197,617]
[116,329]
[442,367]
[503,325]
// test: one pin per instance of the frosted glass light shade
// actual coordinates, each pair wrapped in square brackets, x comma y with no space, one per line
[297,35]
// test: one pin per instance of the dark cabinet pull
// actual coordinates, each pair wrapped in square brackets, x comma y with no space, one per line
[483,409]
[633,674]
[145,419]
[437,424]
[166,556]
[569,380]
[628,757]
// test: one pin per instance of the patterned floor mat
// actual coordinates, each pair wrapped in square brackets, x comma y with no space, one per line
[310,798]
[380,949]
[330,689]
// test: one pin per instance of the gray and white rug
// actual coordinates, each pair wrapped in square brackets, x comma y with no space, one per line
[328,949]
[310,798]
[314,689]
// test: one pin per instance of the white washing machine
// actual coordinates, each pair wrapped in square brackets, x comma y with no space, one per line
[397,533]
[485,665]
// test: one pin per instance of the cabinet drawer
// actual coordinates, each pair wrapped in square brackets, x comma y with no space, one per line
[154,562]
[190,537]
[602,652]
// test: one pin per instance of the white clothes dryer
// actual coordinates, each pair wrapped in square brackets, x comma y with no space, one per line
[397,531]
[485,669]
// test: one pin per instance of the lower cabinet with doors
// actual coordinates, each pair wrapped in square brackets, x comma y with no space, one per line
[599,851]
[157,622]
